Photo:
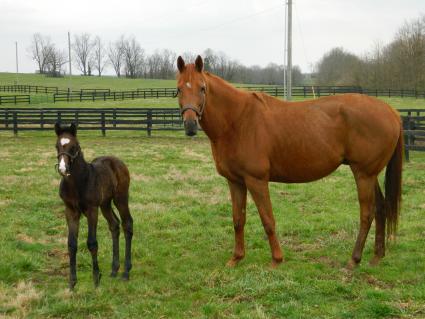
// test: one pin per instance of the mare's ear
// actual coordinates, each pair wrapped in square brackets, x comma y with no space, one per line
[58,129]
[180,64]
[73,129]
[199,64]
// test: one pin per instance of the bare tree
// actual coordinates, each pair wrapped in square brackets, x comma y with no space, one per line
[82,48]
[55,61]
[39,50]
[116,55]
[99,55]
[134,58]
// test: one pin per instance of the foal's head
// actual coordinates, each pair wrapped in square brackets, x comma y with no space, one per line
[191,92]
[67,147]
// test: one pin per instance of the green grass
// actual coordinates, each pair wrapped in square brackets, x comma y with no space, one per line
[183,236]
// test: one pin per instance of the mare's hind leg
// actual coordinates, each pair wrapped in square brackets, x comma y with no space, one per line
[380,226]
[92,243]
[114,227]
[121,202]
[238,194]
[366,193]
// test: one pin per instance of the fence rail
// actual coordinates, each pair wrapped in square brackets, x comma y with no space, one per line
[99,94]
[14,99]
[154,119]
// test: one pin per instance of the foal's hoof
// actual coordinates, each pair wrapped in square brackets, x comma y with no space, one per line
[114,273]
[72,285]
[96,279]
[375,261]
[125,276]
[352,264]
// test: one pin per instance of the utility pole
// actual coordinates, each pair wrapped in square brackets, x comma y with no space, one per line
[69,52]
[289,65]
[17,66]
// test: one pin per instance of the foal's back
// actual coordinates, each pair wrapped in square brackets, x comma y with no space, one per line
[112,176]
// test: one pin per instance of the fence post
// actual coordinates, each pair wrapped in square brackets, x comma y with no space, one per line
[114,117]
[15,123]
[103,124]
[42,118]
[15,99]
[6,118]
[149,122]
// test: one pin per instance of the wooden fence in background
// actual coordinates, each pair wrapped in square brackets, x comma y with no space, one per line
[154,119]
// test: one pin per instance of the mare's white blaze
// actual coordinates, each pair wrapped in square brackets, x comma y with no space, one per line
[65,141]
[62,166]
[188,85]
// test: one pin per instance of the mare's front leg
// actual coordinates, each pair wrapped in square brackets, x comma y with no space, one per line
[73,222]
[238,195]
[92,242]
[259,190]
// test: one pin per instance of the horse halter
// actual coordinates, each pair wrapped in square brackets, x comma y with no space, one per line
[199,111]
[71,159]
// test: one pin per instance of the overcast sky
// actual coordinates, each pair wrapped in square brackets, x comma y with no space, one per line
[250,31]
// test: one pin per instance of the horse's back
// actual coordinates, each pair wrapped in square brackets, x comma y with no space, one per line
[114,168]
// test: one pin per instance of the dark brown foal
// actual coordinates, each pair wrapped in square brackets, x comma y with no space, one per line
[84,188]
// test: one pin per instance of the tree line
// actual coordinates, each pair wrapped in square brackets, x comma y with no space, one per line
[126,57]
[399,64]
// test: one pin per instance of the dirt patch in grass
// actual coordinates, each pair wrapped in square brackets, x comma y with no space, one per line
[18,300]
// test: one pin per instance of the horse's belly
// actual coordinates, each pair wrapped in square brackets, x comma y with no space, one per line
[303,172]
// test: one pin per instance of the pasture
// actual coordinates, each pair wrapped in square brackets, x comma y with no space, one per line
[184,236]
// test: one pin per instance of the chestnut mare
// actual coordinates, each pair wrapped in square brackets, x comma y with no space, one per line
[257,139]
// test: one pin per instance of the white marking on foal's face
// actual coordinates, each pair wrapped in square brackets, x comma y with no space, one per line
[188,85]
[62,166]
[64,141]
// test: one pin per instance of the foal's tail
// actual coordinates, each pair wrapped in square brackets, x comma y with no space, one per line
[393,187]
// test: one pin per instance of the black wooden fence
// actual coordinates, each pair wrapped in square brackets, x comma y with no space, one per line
[98,94]
[154,119]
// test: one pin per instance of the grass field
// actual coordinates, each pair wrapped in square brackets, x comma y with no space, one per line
[121,84]
[184,236]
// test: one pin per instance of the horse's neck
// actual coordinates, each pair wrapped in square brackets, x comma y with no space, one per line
[222,109]
[79,172]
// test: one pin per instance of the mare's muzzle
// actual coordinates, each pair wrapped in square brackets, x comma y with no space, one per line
[191,125]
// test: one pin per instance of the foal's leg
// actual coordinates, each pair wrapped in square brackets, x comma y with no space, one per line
[238,194]
[380,226]
[121,202]
[92,242]
[73,221]
[114,227]
[366,194]
[260,193]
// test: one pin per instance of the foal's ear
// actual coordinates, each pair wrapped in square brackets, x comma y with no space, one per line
[199,64]
[180,64]
[58,129]
[73,129]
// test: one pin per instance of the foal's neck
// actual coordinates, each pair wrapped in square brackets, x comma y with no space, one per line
[79,171]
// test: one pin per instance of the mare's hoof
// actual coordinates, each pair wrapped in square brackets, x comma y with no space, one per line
[125,276]
[233,261]
[276,262]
